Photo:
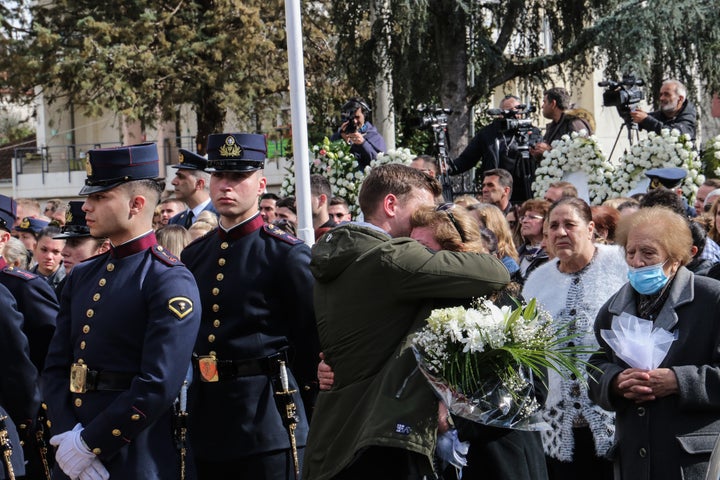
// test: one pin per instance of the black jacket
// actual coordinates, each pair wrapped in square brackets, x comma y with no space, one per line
[685,121]
[496,148]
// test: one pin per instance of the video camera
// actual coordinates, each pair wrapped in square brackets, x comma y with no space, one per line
[510,117]
[622,94]
[432,116]
[522,129]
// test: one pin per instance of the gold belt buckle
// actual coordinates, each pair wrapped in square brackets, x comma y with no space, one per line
[207,364]
[78,378]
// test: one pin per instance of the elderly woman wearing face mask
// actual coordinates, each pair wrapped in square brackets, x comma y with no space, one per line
[668,418]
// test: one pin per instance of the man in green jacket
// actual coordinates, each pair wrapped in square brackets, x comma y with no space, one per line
[374,288]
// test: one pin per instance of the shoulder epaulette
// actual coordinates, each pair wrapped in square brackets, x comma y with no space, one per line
[279,233]
[19,273]
[165,256]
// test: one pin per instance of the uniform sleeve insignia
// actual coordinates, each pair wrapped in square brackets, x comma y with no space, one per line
[281,234]
[180,306]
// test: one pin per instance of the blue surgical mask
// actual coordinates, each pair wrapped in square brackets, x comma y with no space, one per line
[648,280]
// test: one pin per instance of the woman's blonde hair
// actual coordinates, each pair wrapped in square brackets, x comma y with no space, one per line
[493,219]
[454,228]
[656,223]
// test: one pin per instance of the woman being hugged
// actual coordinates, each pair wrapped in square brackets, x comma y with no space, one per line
[668,418]
[572,287]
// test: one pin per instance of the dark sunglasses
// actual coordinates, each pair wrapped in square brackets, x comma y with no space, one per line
[446,207]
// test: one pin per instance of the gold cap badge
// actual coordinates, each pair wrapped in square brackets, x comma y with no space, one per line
[231,148]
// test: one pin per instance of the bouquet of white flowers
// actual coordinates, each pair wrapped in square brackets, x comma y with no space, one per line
[577,152]
[711,157]
[334,161]
[482,361]
[669,149]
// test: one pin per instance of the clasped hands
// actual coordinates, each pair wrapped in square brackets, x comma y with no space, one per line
[641,385]
[75,458]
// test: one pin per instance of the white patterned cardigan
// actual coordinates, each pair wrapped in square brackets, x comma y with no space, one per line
[576,298]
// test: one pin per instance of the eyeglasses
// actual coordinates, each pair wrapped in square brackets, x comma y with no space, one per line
[446,207]
[531,217]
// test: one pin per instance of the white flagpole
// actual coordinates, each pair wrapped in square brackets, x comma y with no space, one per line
[305,229]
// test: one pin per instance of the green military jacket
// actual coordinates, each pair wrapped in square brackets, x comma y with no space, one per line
[371,293]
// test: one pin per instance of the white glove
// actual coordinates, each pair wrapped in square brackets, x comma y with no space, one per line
[96,471]
[72,454]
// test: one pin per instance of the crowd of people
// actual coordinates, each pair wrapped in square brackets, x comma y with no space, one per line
[195,336]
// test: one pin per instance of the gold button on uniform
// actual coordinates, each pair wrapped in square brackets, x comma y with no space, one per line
[82,345]
[80,361]
[220,276]
[86,328]
[78,402]
[215,291]
[97,451]
[116,433]
[221,262]
[224,245]
[96,297]
[110,267]
[135,417]
[90,313]
[216,307]
[211,338]
[102,282]
[216,323]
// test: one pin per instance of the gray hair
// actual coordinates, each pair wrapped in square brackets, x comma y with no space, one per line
[680,88]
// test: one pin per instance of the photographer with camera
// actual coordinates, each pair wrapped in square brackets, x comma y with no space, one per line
[676,111]
[364,139]
[504,143]
[556,102]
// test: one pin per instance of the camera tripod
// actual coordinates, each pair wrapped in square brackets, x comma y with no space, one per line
[630,126]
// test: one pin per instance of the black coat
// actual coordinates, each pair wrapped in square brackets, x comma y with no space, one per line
[38,304]
[256,291]
[685,121]
[133,311]
[496,148]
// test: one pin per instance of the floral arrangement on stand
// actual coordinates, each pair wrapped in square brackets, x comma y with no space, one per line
[711,157]
[483,361]
[577,152]
[333,160]
[668,149]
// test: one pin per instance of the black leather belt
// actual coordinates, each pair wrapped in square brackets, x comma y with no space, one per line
[82,380]
[110,381]
[229,369]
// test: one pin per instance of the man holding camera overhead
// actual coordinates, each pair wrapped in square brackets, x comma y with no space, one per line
[364,139]
[676,111]
[497,146]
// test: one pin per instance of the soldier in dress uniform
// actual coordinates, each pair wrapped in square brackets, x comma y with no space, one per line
[35,298]
[256,291]
[128,320]
[36,301]
[19,393]
[191,186]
